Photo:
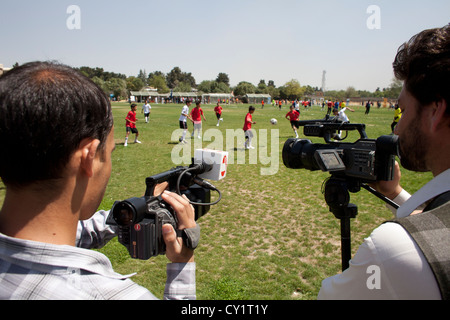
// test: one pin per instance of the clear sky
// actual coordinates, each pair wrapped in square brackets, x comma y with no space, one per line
[249,40]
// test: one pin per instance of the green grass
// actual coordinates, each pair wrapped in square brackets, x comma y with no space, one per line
[271,236]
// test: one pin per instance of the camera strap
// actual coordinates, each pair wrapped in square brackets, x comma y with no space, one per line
[191,236]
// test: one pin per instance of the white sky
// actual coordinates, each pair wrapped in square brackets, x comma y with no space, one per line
[249,40]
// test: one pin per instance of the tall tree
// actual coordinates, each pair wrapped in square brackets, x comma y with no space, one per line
[142,76]
[175,76]
[293,90]
[223,77]
[244,88]
[158,82]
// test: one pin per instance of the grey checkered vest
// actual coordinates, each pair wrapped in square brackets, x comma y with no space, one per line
[431,231]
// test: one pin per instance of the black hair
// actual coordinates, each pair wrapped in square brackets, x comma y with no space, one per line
[424,64]
[46,110]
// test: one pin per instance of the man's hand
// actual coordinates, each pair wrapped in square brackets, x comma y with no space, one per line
[176,250]
[390,189]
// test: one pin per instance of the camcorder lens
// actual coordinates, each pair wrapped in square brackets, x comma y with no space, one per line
[124,215]
[130,211]
[299,154]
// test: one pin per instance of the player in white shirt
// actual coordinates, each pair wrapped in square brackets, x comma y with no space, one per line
[146,109]
[183,120]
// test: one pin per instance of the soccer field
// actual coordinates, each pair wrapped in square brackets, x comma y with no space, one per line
[272,235]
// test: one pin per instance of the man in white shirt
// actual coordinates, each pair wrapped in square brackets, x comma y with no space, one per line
[390,264]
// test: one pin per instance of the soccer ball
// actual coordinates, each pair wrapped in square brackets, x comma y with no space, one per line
[273,121]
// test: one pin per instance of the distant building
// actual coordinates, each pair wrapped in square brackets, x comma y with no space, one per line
[213,98]
[257,98]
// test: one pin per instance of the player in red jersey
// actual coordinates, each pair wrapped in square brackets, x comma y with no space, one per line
[196,115]
[293,116]
[131,124]
[218,111]
[248,128]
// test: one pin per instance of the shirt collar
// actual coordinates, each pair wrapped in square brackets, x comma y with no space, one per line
[435,187]
[43,256]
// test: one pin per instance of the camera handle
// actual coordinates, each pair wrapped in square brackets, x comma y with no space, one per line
[337,197]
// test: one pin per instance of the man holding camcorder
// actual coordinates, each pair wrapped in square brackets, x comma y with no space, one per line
[410,258]
[56,133]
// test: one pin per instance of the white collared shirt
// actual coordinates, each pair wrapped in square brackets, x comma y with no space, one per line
[389,264]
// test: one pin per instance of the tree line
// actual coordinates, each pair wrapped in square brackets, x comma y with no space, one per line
[119,85]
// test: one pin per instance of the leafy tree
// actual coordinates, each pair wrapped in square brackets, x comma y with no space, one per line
[219,87]
[244,88]
[213,86]
[351,92]
[117,87]
[154,74]
[309,90]
[100,73]
[262,87]
[143,76]
[183,87]
[159,82]
[223,78]
[134,84]
[99,82]
[175,76]
[205,86]
[292,90]
[394,89]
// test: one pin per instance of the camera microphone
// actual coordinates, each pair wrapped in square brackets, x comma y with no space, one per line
[212,164]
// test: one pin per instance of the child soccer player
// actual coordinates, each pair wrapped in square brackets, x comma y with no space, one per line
[218,111]
[397,116]
[293,116]
[247,128]
[341,116]
[183,117]
[131,124]
[146,108]
[196,115]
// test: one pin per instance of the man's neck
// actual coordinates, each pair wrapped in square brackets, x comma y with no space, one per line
[32,216]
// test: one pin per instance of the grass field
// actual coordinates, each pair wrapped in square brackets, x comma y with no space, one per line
[271,236]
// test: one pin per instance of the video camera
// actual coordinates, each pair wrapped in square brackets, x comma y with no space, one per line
[366,160]
[351,165]
[140,220]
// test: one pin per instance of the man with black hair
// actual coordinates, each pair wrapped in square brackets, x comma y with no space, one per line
[409,257]
[56,135]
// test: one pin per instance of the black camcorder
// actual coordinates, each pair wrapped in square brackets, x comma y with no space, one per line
[366,160]
[351,165]
[140,220]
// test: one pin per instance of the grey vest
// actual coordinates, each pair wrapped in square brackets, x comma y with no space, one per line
[431,231]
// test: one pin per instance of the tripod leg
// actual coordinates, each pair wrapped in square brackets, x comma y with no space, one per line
[345,243]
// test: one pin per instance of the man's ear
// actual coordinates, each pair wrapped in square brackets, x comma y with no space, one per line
[89,149]
[439,117]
